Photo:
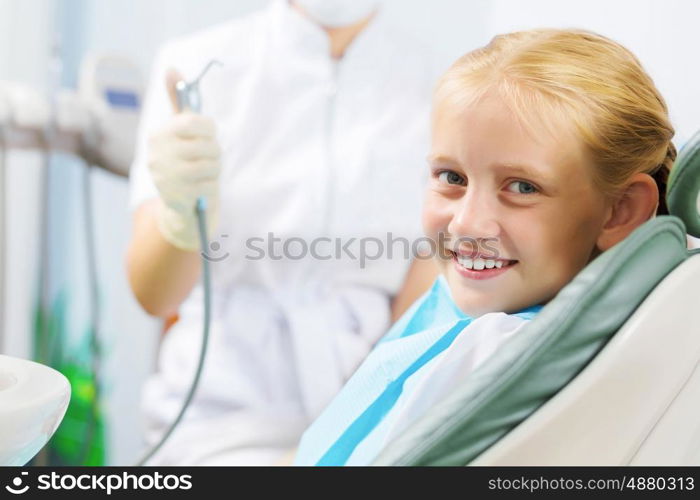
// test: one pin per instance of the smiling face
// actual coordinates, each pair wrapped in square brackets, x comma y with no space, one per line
[525,202]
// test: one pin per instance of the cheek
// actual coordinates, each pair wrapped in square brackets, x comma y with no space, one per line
[562,245]
[436,214]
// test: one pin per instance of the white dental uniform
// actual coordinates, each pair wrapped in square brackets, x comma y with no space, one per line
[312,147]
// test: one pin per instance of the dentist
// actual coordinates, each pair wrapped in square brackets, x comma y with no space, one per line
[314,132]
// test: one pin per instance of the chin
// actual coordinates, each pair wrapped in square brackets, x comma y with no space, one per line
[476,306]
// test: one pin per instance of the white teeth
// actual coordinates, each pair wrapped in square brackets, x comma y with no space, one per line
[465,262]
[480,264]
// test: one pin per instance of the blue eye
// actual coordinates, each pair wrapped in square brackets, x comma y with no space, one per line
[522,188]
[451,177]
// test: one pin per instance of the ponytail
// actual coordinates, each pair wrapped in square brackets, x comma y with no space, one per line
[661,174]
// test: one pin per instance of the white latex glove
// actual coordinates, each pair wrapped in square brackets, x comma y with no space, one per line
[185,163]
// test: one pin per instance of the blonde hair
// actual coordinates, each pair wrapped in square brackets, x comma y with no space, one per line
[591,82]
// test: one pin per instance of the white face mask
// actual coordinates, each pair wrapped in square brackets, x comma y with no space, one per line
[336,13]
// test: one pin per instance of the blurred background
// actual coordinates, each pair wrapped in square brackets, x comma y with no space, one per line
[65,300]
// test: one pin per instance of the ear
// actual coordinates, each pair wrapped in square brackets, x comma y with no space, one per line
[636,205]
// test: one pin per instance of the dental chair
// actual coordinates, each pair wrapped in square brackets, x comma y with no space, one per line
[608,373]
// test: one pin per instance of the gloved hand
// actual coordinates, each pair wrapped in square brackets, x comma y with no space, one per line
[185,163]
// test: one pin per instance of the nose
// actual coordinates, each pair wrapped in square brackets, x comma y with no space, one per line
[474,216]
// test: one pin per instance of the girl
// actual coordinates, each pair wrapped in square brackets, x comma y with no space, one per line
[548,148]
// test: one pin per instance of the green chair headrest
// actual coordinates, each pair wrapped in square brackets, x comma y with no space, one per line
[683,191]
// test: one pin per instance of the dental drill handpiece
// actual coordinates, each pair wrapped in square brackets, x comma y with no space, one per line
[188,98]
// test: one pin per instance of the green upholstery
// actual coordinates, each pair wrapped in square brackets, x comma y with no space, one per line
[551,350]
[684,186]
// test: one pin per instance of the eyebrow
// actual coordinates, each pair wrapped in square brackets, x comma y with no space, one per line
[527,170]
[432,159]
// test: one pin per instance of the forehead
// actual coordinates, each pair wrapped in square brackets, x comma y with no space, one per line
[488,131]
